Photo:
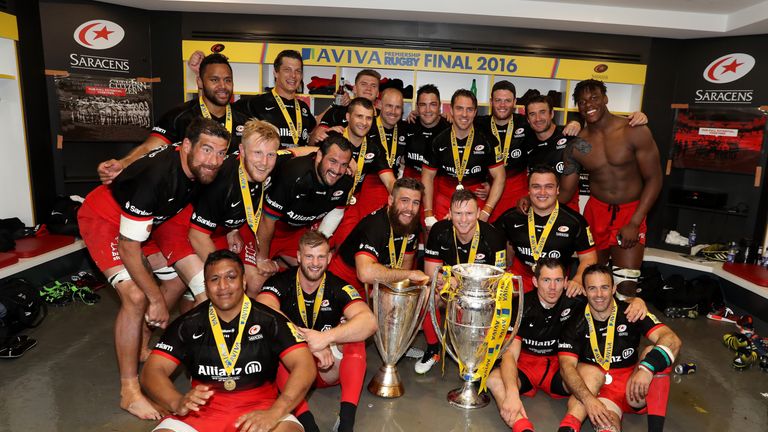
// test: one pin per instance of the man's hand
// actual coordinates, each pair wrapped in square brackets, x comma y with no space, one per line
[482,191]
[637,118]
[418,277]
[157,313]
[235,241]
[598,413]
[108,170]
[636,310]
[258,421]
[321,133]
[325,359]
[572,128]
[315,340]
[413,116]
[637,386]
[523,204]
[629,234]
[266,267]
[194,62]
[193,400]
[510,408]
[573,288]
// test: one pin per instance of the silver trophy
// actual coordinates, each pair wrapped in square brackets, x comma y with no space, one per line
[399,309]
[470,310]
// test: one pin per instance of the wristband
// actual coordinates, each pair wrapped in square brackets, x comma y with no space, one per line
[488,209]
[428,213]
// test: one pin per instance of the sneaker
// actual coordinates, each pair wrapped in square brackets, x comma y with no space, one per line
[745,323]
[735,341]
[414,353]
[85,295]
[745,357]
[56,293]
[724,314]
[430,357]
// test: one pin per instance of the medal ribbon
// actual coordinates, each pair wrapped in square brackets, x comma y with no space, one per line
[245,191]
[303,306]
[207,114]
[360,163]
[497,332]
[507,138]
[229,358]
[538,247]
[604,359]
[396,262]
[472,247]
[461,166]
[390,151]
[295,129]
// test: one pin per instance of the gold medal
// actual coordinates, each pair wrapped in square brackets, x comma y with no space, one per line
[230,384]
[608,378]
[352,200]
[459,186]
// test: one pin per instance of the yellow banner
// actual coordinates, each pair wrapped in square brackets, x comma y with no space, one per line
[237,52]
[438,61]
[604,71]
[8,27]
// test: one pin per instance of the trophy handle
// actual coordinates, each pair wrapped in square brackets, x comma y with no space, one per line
[518,283]
[433,315]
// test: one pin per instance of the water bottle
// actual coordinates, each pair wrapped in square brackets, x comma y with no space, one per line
[473,87]
[692,236]
[731,258]
[339,97]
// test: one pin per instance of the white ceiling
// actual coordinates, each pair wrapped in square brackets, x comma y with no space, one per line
[680,19]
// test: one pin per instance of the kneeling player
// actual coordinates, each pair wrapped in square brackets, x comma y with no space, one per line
[232,347]
[531,363]
[609,381]
[335,322]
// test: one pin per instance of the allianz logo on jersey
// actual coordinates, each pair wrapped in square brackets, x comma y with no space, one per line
[545,254]
[249,369]
[98,34]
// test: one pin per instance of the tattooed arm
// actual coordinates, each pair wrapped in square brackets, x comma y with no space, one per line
[569,181]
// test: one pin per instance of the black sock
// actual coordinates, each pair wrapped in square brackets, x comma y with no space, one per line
[565,429]
[347,417]
[655,423]
[308,421]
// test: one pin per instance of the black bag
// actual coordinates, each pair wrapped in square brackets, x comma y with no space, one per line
[25,308]
[705,292]
[63,219]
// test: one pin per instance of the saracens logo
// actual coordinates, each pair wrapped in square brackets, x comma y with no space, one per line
[729,68]
[99,34]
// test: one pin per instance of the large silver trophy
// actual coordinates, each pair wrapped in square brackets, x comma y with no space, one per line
[399,309]
[471,304]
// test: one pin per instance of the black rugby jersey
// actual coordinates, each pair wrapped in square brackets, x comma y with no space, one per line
[375,160]
[550,151]
[267,336]
[569,234]
[371,237]
[402,137]
[155,186]
[337,296]
[492,249]
[516,160]
[574,340]
[299,198]
[221,202]
[439,156]
[335,116]
[172,126]
[265,107]
[418,139]
[540,327]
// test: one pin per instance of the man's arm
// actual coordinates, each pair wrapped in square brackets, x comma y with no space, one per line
[109,169]
[596,410]
[370,271]
[388,178]
[137,266]
[511,406]
[428,179]
[201,242]
[655,361]
[647,155]
[269,300]
[498,177]
[159,387]
[359,325]
[569,180]
[576,284]
[302,373]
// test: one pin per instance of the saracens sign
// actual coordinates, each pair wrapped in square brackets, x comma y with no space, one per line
[723,70]
[98,34]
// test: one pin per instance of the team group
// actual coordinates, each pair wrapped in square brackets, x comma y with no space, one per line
[304,212]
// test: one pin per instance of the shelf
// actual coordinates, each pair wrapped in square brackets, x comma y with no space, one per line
[708,210]
[8,77]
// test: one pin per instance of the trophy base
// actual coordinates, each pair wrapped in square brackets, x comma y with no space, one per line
[386,383]
[466,396]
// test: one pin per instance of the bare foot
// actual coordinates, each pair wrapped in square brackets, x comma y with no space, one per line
[137,404]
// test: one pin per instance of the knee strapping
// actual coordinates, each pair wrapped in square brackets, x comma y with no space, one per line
[197,284]
[165,273]
[621,274]
[118,277]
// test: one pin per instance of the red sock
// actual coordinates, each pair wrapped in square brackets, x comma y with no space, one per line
[352,372]
[572,422]
[522,425]
[429,330]
[658,393]
[280,380]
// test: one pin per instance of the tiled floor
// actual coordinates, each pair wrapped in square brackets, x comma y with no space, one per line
[69,382]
